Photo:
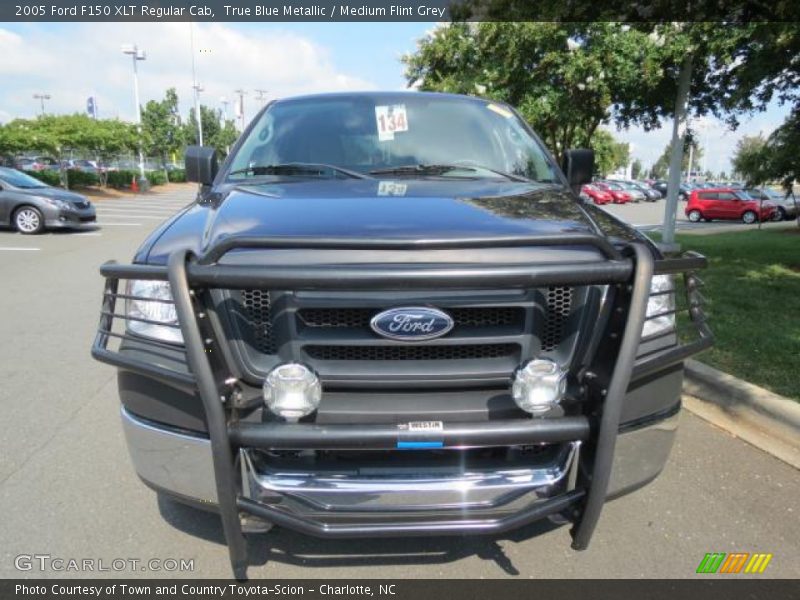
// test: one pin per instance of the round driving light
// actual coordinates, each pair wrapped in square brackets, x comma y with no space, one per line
[292,391]
[539,386]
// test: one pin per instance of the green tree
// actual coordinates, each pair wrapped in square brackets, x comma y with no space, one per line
[161,129]
[219,135]
[566,79]
[759,160]
[661,166]
[62,135]
[609,154]
[637,170]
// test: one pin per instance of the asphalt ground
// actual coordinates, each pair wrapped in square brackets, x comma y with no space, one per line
[68,490]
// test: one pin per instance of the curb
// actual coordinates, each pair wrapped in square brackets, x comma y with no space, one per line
[767,420]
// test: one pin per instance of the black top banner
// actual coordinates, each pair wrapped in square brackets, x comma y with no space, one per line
[396,10]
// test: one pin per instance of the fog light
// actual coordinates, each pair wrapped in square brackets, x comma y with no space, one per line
[292,391]
[539,386]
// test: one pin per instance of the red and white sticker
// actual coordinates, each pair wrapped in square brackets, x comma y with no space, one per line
[390,119]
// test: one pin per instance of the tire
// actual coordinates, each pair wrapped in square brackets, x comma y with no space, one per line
[682,197]
[780,214]
[29,220]
[749,217]
[694,216]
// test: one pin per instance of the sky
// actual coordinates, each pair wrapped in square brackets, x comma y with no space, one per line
[71,61]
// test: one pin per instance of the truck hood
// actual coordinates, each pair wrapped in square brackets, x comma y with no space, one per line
[369,209]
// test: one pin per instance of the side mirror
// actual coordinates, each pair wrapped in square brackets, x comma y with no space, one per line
[578,166]
[201,164]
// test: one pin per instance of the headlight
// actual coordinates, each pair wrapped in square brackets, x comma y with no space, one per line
[662,300]
[57,203]
[152,300]
[292,390]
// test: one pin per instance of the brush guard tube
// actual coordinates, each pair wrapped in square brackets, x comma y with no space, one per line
[630,270]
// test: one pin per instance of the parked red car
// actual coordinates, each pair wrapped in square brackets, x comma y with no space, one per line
[618,194]
[596,195]
[726,203]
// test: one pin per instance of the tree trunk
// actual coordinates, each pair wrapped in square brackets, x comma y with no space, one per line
[674,178]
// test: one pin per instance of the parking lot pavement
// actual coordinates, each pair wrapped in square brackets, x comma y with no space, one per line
[67,488]
[649,216]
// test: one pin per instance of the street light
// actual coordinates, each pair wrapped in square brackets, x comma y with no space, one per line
[41,98]
[197,89]
[239,107]
[262,95]
[136,55]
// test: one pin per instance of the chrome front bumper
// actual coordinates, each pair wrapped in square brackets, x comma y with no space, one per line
[181,464]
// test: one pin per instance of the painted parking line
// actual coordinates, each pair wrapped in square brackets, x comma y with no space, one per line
[133,211]
[140,209]
[18,249]
[145,217]
[119,224]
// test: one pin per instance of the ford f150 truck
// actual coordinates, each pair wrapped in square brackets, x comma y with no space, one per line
[390,314]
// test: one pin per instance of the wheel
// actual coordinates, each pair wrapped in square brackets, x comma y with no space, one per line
[682,197]
[779,214]
[695,216]
[29,220]
[749,217]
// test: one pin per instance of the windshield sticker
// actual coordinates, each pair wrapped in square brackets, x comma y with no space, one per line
[390,119]
[500,110]
[391,188]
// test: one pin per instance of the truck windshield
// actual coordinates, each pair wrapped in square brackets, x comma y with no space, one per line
[391,136]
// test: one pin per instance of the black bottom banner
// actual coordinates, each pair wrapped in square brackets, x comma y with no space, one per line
[418,589]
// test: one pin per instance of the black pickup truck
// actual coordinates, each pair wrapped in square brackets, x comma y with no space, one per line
[390,314]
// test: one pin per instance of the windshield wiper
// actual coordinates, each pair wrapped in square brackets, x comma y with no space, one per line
[296,168]
[440,169]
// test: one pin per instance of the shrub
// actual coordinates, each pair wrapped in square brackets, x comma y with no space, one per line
[77,178]
[47,176]
[156,177]
[177,176]
[121,179]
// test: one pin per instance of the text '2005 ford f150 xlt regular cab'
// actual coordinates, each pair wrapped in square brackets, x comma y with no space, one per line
[390,314]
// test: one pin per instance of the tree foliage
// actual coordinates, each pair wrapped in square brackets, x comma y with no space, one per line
[637,170]
[61,135]
[661,166]
[759,160]
[609,154]
[161,130]
[566,79]
[220,135]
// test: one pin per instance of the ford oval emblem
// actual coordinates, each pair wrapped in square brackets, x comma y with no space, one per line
[411,323]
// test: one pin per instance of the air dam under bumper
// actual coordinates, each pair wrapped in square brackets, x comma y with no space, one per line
[181,465]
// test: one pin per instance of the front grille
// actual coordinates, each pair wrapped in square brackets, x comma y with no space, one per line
[258,311]
[559,305]
[359,318]
[378,353]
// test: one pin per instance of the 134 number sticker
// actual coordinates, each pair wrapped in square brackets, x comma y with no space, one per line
[390,119]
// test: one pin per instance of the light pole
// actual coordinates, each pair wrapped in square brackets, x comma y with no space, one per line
[240,107]
[262,95]
[41,98]
[197,88]
[137,55]
[223,115]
